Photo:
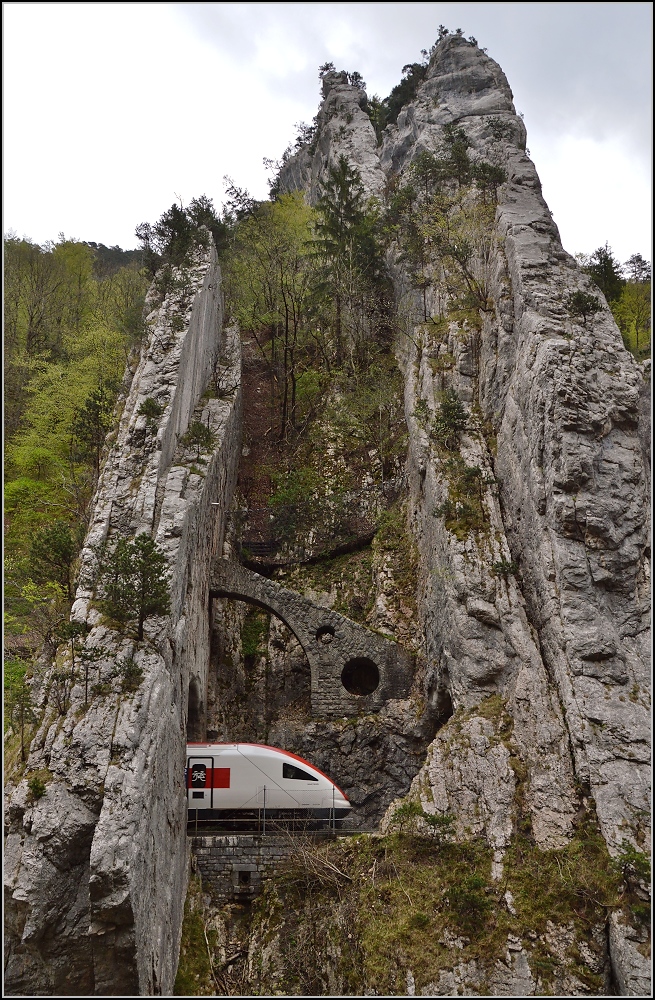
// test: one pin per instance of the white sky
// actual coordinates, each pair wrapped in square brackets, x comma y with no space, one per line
[112,111]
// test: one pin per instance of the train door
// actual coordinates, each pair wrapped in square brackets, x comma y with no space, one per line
[199,782]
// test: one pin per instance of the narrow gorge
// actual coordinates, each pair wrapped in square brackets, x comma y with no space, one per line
[488,554]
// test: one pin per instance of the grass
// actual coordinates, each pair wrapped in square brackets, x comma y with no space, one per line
[194,972]
[425,908]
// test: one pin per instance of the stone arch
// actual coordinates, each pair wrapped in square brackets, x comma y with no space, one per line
[329,640]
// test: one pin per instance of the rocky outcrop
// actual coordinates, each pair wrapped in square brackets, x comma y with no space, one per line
[547,607]
[343,129]
[96,868]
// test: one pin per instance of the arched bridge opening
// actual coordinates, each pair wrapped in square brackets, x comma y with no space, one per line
[352,668]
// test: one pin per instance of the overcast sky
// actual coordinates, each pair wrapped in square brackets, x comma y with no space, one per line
[112,111]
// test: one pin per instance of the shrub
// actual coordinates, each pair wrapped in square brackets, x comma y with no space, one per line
[582,304]
[150,409]
[198,436]
[36,786]
[450,421]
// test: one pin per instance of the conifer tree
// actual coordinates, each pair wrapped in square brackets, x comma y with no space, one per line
[136,582]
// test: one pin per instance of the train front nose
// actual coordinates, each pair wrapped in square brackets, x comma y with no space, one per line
[341,803]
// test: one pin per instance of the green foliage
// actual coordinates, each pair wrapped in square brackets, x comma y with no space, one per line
[254,632]
[19,710]
[450,420]
[632,312]
[270,277]
[422,412]
[178,233]
[37,787]
[53,554]
[395,540]
[606,272]
[632,863]
[412,817]
[406,814]
[405,900]
[386,112]
[463,509]
[69,329]
[469,902]
[150,409]
[583,304]
[499,129]
[558,885]
[200,437]
[135,582]
[195,970]
[504,568]
[44,607]
[131,675]
[488,178]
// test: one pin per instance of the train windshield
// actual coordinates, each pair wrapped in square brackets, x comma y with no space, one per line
[291,771]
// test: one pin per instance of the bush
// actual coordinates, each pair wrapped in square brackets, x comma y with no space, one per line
[150,409]
[200,437]
[36,786]
[450,421]
[582,304]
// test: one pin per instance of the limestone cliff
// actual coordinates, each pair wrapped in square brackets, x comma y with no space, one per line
[557,425]
[531,634]
[96,868]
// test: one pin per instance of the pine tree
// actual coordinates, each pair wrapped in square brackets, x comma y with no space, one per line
[136,582]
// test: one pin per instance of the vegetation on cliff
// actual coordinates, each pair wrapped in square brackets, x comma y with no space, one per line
[73,313]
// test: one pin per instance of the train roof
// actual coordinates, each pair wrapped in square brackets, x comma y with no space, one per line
[264,746]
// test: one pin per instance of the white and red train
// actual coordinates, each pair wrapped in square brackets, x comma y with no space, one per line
[232,779]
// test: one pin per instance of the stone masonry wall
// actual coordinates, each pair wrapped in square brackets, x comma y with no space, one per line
[233,865]
[329,640]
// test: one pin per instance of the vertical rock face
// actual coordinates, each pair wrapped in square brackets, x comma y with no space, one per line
[557,425]
[96,869]
[535,630]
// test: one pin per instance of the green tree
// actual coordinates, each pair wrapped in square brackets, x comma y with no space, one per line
[91,424]
[606,272]
[637,268]
[270,275]
[53,553]
[18,701]
[198,436]
[341,210]
[179,231]
[136,582]
[352,269]
[450,420]
[632,313]
[583,304]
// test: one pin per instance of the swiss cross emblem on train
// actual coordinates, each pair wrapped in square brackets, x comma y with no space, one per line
[199,776]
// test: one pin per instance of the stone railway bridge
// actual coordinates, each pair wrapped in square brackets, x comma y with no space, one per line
[352,668]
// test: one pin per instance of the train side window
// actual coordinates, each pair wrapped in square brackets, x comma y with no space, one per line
[291,771]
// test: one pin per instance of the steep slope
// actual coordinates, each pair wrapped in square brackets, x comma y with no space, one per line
[530,528]
[548,606]
[96,867]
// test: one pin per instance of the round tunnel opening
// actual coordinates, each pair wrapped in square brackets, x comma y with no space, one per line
[360,676]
